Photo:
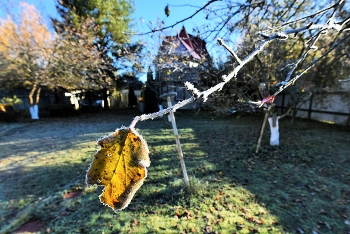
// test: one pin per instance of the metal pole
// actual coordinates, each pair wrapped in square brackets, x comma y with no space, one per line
[179,150]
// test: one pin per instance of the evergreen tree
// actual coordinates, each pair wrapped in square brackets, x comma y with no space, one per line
[112,15]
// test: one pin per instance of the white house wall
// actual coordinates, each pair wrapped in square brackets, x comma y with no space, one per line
[336,104]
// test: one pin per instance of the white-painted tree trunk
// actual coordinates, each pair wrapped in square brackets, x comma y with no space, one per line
[275,135]
[34,111]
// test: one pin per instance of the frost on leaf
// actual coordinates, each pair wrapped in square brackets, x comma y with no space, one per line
[120,166]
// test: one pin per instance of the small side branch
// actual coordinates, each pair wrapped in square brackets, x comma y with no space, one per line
[267,39]
[292,81]
[162,112]
[189,86]
[222,43]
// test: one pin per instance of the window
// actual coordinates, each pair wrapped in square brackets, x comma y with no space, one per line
[174,87]
[180,93]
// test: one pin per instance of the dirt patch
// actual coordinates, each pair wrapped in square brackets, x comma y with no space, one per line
[31,227]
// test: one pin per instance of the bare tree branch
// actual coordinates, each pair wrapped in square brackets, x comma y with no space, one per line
[229,50]
[267,39]
[292,81]
[171,26]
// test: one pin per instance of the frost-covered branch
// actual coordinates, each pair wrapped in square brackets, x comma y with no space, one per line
[267,38]
[204,95]
[229,50]
[311,15]
[330,24]
[302,58]
[292,81]
[162,112]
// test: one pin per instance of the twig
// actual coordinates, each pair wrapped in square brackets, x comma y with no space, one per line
[162,112]
[178,22]
[222,43]
[310,16]
[330,24]
[267,39]
[292,81]
[286,113]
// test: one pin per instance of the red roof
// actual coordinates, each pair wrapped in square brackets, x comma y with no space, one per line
[184,43]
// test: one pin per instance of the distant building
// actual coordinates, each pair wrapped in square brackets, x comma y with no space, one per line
[178,61]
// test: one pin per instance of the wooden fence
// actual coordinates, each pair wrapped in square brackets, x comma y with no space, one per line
[331,107]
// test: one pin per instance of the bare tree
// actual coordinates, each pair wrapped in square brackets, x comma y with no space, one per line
[311,28]
[240,23]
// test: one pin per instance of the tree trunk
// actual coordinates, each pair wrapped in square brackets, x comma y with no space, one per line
[31,94]
[34,108]
[275,135]
[105,99]
[273,122]
[34,111]
[293,114]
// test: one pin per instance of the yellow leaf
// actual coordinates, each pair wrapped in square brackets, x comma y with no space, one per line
[120,166]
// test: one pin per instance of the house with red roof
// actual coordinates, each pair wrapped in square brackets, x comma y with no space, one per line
[178,61]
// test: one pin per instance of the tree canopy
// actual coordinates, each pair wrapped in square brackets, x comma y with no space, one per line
[113,16]
[33,57]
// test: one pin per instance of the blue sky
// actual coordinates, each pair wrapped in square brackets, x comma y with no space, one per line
[45,7]
[146,11]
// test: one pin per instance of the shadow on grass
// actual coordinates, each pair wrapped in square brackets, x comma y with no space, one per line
[302,185]
[304,182]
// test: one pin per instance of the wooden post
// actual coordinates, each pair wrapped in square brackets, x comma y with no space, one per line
[178,145]
[262,131]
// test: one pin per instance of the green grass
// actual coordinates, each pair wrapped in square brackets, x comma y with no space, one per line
[301,186]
